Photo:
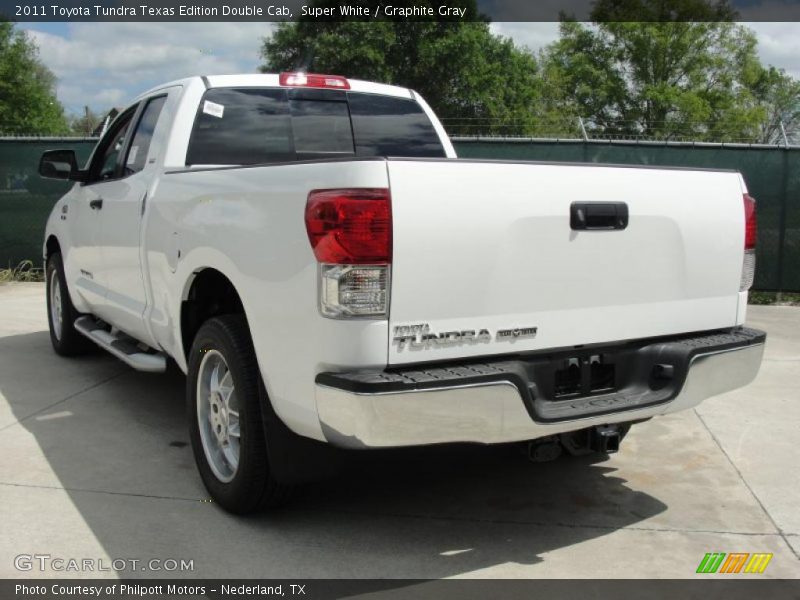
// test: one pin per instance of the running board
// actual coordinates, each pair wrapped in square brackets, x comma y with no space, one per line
[120,345]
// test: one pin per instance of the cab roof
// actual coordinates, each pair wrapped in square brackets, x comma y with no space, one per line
[272,80]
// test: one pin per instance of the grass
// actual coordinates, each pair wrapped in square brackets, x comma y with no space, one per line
[24,271]
[784,298]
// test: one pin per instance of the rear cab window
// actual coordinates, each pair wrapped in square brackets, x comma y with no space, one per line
[244,126]
[388,126]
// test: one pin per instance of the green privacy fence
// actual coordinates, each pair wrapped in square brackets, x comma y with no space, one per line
[772,174]
[26,198]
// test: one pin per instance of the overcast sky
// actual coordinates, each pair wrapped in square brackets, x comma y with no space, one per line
[107,64]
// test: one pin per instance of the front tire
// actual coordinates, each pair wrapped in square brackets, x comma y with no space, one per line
[61,314]
[223,395]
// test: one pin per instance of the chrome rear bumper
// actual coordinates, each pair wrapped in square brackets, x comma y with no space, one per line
[496,411]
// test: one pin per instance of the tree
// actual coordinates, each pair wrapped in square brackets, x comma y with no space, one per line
[85,124]
[667,79]
[778,95]
[477,82]
[28,104]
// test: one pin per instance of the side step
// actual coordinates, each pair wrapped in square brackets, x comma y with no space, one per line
[120,345]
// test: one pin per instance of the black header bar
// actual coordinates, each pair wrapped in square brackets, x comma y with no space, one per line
[404,10]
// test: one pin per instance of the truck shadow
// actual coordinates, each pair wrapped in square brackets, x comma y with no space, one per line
[116,441]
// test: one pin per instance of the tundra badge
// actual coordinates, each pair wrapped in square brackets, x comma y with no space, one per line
[419,336]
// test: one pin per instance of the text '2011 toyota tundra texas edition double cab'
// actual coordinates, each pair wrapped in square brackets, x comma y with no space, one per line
[309,250]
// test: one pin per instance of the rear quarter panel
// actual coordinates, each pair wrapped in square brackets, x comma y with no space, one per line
[248,223]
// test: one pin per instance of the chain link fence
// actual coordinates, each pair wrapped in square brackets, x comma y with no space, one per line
[772,174]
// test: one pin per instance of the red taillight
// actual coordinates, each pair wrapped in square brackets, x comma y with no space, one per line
[350,226]
[749,222]
[314,80]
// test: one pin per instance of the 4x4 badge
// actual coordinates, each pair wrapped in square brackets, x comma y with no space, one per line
[517,332]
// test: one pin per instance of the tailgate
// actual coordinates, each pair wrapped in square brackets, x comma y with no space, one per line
[485,260]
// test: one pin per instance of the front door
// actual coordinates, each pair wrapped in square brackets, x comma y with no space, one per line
[119,239]
[83,261]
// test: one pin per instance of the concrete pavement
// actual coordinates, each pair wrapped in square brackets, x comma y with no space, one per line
[95,464]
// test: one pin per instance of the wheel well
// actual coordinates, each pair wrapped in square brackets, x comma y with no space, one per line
[212,294]
[52,246]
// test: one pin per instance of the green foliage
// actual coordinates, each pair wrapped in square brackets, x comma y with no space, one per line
[778,95]
[28,104]
[766,298]
[672,69]
[24,271]
[85,124]
[661,79]
[663,69]
[477,82]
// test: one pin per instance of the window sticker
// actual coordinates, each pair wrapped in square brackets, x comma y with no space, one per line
[213,109]
[132,154]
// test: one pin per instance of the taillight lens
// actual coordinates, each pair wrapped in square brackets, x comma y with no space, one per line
[351,226]
[749,222]
[350,231]
[750,232]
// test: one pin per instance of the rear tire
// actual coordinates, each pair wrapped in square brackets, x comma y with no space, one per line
[61,314]
[223,397]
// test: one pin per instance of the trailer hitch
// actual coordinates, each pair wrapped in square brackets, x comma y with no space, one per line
[605,438]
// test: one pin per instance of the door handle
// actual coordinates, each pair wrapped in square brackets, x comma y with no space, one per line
[96,204]
[598,216]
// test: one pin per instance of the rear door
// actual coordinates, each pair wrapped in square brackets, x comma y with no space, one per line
[487,261]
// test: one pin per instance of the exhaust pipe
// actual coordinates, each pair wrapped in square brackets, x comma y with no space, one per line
[605,438]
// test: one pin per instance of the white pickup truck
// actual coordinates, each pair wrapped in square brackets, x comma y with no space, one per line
[311,253]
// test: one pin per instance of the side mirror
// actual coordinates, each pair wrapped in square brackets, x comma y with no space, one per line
[60,164]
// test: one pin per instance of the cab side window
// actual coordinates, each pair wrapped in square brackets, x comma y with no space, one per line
[140,145]
[106,162]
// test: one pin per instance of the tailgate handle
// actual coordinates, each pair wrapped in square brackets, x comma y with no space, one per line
[601,216]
